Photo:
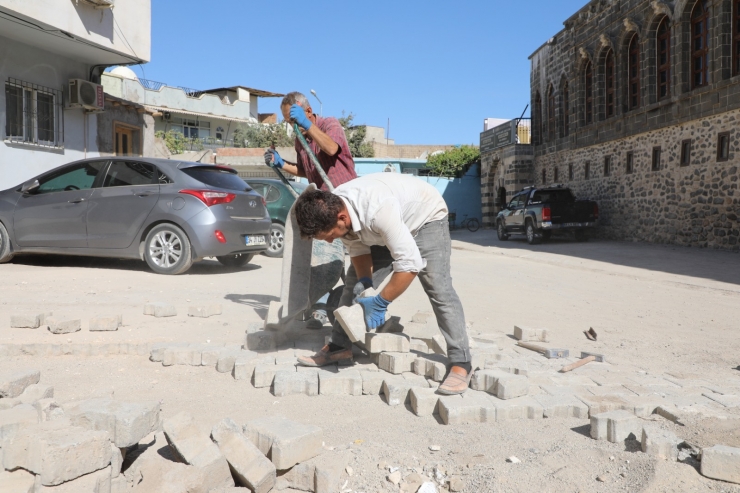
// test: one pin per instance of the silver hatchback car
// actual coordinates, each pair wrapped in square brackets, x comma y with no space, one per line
[169,213]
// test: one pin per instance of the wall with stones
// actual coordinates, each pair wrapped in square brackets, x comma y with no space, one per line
[507,170]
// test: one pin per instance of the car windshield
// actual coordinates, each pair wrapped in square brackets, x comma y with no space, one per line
[218,178]
[553,196]
[298,186]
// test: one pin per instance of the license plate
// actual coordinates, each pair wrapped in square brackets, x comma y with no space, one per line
[255,240]
[573,225]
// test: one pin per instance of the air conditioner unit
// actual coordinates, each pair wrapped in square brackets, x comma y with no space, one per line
[85,94]
[101,4]
[411,171]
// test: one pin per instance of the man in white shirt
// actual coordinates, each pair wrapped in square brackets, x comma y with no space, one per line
[408,216]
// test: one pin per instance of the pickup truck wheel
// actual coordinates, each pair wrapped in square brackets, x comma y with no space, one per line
[532,237]
[501,231]
[580,235]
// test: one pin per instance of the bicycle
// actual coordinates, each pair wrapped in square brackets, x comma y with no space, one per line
[471,223]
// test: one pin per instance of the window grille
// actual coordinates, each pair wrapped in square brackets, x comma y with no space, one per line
[33,114]
[634,72]
[700,44]
[664,59]
[609,84]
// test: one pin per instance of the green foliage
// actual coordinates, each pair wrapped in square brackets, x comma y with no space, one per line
[356,137]
[177,143]
[262,135]
[453,162]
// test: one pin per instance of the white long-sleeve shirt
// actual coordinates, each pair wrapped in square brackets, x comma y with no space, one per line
[389,209]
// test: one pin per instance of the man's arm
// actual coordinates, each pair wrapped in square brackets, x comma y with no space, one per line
[293,169]
[324,142]
[363,265]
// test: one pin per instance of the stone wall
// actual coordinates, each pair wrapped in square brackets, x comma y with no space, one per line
[504,172]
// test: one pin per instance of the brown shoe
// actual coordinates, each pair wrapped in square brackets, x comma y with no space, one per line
[325,357]
[455,383]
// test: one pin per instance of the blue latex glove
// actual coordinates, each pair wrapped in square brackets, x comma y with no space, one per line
[272,158]
[374,311]
[299,116]
[363,284]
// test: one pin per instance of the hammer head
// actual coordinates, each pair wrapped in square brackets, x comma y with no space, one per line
[556,353]
[599,357]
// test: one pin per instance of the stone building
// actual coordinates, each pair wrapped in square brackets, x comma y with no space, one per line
[636,104]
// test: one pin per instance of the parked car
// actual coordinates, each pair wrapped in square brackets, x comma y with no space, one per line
[538,212]
[168,213]
[279,201]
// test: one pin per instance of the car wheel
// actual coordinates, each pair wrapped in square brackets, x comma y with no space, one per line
[236,260]
[167,250]
[501,231]
[580,235]
[277,241]
[5,254]
[532,237]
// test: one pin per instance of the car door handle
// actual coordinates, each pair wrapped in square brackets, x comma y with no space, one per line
[144,193]
[76,201]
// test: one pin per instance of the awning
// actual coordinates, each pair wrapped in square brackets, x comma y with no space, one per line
[162,109]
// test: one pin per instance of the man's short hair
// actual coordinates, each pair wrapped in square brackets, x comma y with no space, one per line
[316,212]
[295,97]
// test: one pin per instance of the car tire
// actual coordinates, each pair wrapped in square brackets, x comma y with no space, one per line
[533,237]
[235,261]
[167,250]
[581,235]
[277,241]
[501,231]
[5,254]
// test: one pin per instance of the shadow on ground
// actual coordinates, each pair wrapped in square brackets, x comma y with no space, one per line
[260,302]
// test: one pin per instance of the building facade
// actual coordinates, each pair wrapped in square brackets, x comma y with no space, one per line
[635,104]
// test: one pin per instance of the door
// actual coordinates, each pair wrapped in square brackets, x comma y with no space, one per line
[124,141]
[119,207]
[55,214]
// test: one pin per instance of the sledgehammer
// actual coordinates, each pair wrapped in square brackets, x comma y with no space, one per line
[547,352]
[585,358]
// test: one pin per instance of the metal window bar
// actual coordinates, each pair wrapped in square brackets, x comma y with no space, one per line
[34,114]
[152,85]
[191,93]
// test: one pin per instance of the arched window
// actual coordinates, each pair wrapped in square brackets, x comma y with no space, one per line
[551,113]
[538,119]
[736,37]
[565,108]
[609,84]
[700,44]
[634,73]
[664,59]
[588,93]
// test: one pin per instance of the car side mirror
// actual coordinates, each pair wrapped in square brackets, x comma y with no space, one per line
[30,186]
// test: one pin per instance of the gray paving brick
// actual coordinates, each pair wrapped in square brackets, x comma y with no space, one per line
[286,443]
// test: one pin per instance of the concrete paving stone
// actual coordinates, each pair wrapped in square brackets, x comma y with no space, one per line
[691,400]
[204,311]
[285,442]
[104,323]
[470,407]
[396,388]
[345,382]
[244,365]
[160,309]
[48,409]
[263,340]
[21,321]
[116,461]
[352,320]
[515,366]
[432,366]
[195,447]
[17,418]
[44,315]
[554,389]
[725,400]
[301,477]
[14,382]
[330,471]
[372,382]
[572,379]
[526,407]
[18,481]
[286,359]
[419,346]
[659,443]
[604,379]
[191,355]
[502,384]
[439,345]
[609,390]
[264,374]
[57,452]
[422,317]
[721,462]
[35,392]
[248,465]
[295,382]
[126,422]
[95,482]
[422,332]
[562,406]
[598,404]
[9,403]
[396,363]
[209,355]
[386,342]
[60,326]
[226,359]
[522,333]
[656,390]
[485,380]
[272,319]
[643,406]
[648,380]
[615,426]
[423,401]
[119,484]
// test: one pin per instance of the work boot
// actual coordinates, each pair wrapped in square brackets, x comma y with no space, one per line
[457,381]
[327,357]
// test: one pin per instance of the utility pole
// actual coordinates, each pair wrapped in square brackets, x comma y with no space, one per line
[321,105]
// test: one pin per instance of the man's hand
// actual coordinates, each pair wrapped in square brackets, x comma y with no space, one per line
[273,159]
[363,284]
[375,309]
[299,116]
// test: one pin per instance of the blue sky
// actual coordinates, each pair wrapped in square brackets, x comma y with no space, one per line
[436,69]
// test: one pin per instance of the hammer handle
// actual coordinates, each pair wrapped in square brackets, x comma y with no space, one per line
[532,347]
[577,364]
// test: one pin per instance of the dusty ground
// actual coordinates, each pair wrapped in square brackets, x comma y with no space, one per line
[656,309]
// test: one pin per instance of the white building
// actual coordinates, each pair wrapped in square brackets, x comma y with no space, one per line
[43,45]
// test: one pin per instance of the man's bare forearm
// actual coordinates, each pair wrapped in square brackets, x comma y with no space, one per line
[293,169]
[324,141]
[363,265]
[400,281]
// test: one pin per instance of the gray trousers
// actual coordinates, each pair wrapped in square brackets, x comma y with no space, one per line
[433,240]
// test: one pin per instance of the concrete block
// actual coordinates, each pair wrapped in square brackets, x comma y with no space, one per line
[18,481]
[422,317]
[598,404]
[721,462]
[510,386]
[209,355]
[433,366]
[95,482]
[470,407]
[264,374]
[329,471]
[562,406]
[244,365]
[659,443]
[263,340]
[386,342]
[160,309]
[272,320]
[396,388]
[286,358]
[439,345]
[295,382]
[204,311]
[615,426]
[248,465]
[105,323]
[44,315]
[119,484]
[48,409]
[17,418]
[345,382]
[372,382]
[59,326]
[196,448]
[519,408]
[423,401]
[352,320]
[126,422]
[515,366]
[486,380]
[530,334]
[14,382]
[116,461]
[158,349]
[396,363]
[57,452]
[35,392]
[25,321]
[286,443]
[191,355]
[226,359]
[419,346]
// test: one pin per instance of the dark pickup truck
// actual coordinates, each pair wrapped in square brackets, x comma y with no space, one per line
[537,212]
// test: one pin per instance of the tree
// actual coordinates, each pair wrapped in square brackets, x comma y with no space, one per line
[453,162]
[356,137]
[262,135]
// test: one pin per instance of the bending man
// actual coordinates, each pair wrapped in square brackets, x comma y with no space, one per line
[409,217]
